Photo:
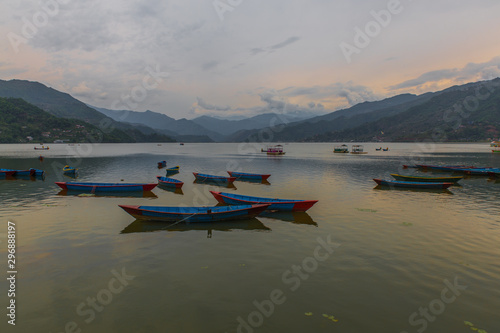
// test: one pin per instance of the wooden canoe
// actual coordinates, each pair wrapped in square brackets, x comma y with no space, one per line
[426,179]
[275,204]
[105,187]
[248,176]
[169,182]
[212,178]
[404,184]
[194,214]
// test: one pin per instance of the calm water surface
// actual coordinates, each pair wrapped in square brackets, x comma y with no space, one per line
[401,260]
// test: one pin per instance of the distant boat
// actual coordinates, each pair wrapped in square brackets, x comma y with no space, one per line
[358,149]
[41,148]
[248,176]
[173,170]
[342,149]
[105,187]
[427,179]
[181,144]
[275,204]
[162,164]
[194,214]
[169,182]
[495,144]
[274,150]
[378,148]
[386,149]
[67,169]
[404,184]
[212,178]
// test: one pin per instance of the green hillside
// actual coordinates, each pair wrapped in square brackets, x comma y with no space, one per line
[21,121]
[468,114]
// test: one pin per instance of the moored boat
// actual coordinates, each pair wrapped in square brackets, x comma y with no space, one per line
[38,173]
[426,179]
[169,182]
[105,187]
[342,149]
[275,204]
[248,176]
[13,172]
[275,150]
[162,164]
[194,214]
[203,177]
[405,184]
[173,170]
[358,149]
[7,172]
[41,148]
[69,169]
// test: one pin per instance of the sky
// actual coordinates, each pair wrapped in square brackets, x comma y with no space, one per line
[225,58]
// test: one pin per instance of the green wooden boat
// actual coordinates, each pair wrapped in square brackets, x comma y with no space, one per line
[426,179]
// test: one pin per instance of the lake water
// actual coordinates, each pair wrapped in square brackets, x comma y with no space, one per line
[361,260]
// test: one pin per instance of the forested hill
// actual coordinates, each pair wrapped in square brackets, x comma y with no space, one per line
[21,121]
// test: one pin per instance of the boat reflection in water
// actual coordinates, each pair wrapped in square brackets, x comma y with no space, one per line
[171,189]
[252,181]
[216,183]
[431,190]
[150,226]
[294,217]
[71,175]
[133,194]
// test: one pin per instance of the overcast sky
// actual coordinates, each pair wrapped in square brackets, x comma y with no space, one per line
[187,58]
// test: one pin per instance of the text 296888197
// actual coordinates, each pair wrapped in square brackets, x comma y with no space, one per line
[11,272]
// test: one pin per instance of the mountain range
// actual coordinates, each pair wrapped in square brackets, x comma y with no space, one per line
[405,117]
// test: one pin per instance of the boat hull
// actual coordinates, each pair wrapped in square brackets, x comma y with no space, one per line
[105,187]
[194,214]
[169,182]
[405,184]
[248,176]
[274,204]
[202,177]
[426,179]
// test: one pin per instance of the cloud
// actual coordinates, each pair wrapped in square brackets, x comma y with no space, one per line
[470,72]
[272,48]
[285,43]
[348,91]
[209,65]
[211,107]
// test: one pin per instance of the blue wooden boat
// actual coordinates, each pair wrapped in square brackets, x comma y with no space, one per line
[426,179]
[13,172]
[105,187]
[38,173]
[248,176]
[478,171]
[203,177]
[7,172]
[172,170]
[194,214]
[275,204]
[162,164]
[68,169]
[404,184]
[169,182]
